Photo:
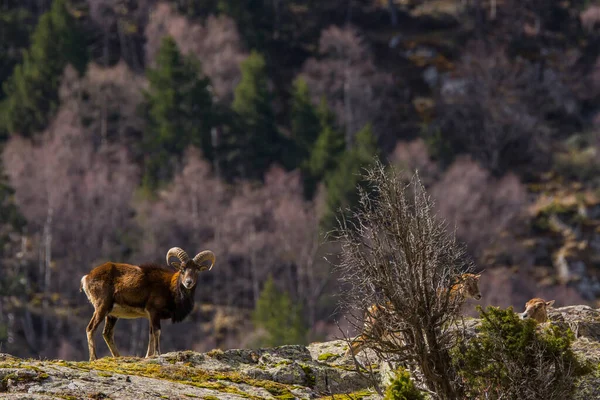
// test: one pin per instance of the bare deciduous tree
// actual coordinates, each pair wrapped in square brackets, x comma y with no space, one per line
[481,207]
[73,195]
[216,43]
[414,155]
[117,21]
[345,73]
[497,110]
[395,251]
[107,100]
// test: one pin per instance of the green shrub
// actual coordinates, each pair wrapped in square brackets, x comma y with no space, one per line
[514,358]
[580,160]
[276,314]
[578,164]
[402,387]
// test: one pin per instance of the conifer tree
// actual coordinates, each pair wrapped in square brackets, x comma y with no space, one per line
[15,23]
[282,320]
[11,221]
[326,151]
[341,184]
[32,90]
[9,212]
[178,111]
[305,120]
[259,138]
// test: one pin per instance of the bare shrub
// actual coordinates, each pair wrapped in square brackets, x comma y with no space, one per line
[395,251]
[480,206]
[217,44]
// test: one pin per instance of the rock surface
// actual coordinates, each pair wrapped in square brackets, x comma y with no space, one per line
[287,372]
[319,370]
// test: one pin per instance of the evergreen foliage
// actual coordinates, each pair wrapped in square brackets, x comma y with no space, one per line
[305,119]
[11,221]
[9,212]
[402,387]
[317,142]
[514,358]
[342,183]
[32,90]
[259,138]
[15,28]
[279,317]
[178,111]
[325,152]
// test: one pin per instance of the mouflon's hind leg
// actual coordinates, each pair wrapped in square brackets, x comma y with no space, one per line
[98,316]
[109,335]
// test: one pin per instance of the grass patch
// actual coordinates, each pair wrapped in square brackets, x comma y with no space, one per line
[310,376]
[359,395]
[183,374]
[327,356]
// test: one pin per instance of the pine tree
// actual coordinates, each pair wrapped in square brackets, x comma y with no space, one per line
[342,183]
[11,222]
[259,140]
[178,111]
[32,90]
[9,212]
[15,28]
[326,151]
[282,320]
[305,121]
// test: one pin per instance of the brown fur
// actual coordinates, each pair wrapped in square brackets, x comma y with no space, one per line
[537,309]
[130,291]
[374,325]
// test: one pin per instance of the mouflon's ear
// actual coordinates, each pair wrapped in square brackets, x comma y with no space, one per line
[176,265]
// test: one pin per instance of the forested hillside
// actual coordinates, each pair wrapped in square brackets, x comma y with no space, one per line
[128,127]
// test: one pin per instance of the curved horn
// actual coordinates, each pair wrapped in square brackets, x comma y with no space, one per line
[179,253]
[204,256]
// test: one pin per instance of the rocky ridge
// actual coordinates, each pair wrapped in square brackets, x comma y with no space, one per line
[286,372]
[318,370]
